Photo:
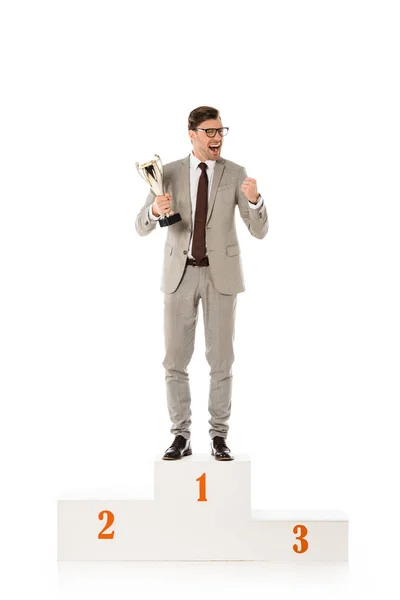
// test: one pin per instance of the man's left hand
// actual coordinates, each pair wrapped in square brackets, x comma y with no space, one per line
[249,189]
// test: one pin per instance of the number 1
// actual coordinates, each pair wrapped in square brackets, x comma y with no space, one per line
[202,486]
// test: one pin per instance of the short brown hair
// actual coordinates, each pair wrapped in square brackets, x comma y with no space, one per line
[200,114]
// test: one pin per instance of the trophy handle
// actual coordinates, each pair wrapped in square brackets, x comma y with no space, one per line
[160,166]
[140,173]
[159,163]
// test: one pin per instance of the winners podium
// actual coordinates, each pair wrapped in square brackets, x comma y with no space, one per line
[201,510]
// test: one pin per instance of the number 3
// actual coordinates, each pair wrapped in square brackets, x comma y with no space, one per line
[301,537]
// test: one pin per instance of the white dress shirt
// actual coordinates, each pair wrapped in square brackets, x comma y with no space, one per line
[195,173]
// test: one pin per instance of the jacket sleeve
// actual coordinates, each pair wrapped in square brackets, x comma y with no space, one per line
[144,225]
[255,220]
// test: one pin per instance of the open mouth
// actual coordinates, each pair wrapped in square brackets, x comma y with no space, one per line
[215,148]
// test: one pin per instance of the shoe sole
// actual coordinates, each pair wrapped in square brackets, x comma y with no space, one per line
[225,458]
[187,453]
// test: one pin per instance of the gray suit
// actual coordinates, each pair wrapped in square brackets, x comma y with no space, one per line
[216,285]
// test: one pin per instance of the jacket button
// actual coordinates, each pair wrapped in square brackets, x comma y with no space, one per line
[189,230]
[185,252]
[146,223]
[260,215]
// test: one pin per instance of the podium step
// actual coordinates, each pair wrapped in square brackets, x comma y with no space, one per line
[201,511]
[202,488]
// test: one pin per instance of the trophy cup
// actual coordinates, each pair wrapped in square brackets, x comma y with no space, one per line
[152,172]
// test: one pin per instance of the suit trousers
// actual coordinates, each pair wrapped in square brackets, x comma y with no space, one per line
[180,320]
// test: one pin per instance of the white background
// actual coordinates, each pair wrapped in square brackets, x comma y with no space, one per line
[310,91]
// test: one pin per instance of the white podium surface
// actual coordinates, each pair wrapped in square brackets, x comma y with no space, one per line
[201,511]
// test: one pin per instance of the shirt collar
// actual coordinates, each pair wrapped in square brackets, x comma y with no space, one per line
[194,162]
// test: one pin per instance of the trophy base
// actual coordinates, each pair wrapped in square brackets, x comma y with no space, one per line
[165,221]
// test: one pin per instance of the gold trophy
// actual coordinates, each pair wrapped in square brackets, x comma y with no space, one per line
[152,172]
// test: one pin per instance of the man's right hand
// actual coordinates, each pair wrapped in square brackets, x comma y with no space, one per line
[161,205]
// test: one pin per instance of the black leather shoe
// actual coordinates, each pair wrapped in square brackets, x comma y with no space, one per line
[180,447]
[220,450]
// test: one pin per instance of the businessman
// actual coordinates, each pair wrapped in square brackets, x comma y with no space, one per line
[202,263]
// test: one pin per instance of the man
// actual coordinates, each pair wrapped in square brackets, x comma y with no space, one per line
[202,262]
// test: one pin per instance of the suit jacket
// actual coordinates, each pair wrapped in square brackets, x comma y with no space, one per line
[221,239]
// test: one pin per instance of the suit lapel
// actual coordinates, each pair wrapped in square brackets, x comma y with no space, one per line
[184,187]
[218,170]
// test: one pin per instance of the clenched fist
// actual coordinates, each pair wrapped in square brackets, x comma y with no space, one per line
[161,205]
[249,189]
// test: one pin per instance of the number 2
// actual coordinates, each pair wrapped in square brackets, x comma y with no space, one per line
[110,521]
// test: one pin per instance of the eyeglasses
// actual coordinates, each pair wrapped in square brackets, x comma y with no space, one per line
[212,132]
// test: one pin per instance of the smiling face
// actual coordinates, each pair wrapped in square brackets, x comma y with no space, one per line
[204,147]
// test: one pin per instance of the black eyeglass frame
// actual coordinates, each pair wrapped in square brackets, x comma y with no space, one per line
[214,129]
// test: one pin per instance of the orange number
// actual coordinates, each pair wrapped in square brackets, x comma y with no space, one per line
[110,521]
[301,537]
[202,485]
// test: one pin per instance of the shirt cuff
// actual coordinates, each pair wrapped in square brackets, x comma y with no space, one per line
[151,216]
[259,203]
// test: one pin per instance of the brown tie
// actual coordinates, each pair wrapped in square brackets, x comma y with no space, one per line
[199,235]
